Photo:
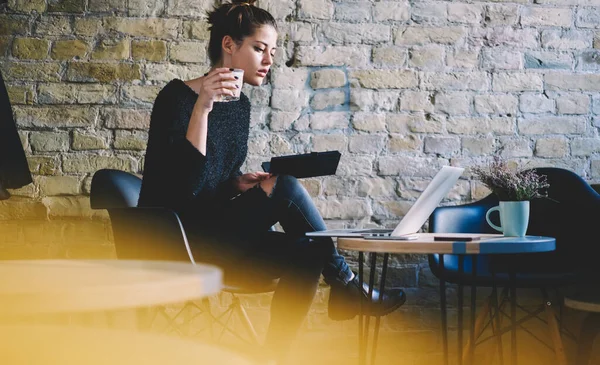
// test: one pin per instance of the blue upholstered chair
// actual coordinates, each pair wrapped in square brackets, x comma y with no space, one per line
[570,214]
[157,234]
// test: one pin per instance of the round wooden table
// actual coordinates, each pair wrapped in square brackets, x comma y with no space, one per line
[57,345]
[427,244]
[60,286]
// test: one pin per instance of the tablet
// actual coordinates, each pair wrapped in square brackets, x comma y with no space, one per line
[304,165]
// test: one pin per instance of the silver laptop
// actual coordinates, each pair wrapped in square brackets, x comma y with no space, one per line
[416,216]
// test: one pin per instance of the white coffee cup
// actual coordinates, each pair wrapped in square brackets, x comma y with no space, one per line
[236,93]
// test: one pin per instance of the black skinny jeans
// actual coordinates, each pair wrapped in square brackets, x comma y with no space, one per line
[249,252]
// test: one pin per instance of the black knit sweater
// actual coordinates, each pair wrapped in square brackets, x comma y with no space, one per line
[177,175]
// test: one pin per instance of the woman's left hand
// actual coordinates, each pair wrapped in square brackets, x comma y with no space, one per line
[247,181]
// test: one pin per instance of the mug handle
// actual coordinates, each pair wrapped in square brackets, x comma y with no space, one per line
[487,218]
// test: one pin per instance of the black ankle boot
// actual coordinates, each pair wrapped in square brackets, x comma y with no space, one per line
[344,300]
[4,194]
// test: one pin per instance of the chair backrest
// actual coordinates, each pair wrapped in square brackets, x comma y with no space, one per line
[569,214]
[139,233]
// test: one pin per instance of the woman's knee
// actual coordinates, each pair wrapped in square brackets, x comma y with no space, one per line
[268,185]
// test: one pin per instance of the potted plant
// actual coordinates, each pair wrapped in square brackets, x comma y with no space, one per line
[514,189]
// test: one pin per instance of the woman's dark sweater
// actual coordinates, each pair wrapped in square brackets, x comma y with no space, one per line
[178,176]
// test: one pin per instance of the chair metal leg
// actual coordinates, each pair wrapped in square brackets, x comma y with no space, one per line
[443,309]
[243,315]
[589,330]
[479,326]
[559,350]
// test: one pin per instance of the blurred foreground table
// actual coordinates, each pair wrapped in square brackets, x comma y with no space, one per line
[56,345]
[33,287]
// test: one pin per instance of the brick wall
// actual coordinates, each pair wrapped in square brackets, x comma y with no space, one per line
[400,88]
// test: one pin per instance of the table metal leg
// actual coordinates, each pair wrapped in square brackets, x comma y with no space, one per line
[378,317]
[513,316]
[461,271]
[361,344]
[473,304]
[366,332]
[443,309]
[495,320]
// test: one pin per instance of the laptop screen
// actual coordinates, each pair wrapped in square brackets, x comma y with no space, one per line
[429,199]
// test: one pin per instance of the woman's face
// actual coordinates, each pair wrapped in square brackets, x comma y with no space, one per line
[255,54]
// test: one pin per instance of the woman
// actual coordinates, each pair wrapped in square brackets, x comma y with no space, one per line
[195,150]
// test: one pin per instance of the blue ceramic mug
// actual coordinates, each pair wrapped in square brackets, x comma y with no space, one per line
[514,217]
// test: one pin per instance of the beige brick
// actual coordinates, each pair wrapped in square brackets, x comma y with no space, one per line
[91,140]
[280,9]
[327,78]
[70,206]
[346,208]
[28,191]
[69,49]
[27,6]
[502,59]
[455,81]
[416,101]
[280,145]
[584,146]
[478,146]
[329,120]
[462,58]
[404,143]
[552,125]
[77,94]
[328,99]
[167,72]
[399,123]
[193,52]
[355,56]
[30,48]
[390,56]
[350,33]
[363,99]
[352,12]
[102,72]
[355,165]
[139,94]
[509,82]
[430,57]
[149,8]
[369,122]
[301,32]
[465,13]
[88,26]
[441,145]
[16,209]
[196,29]
[552,147]
[426,123]
[111,49]
[149,50]
[315,9]
[82,163]
[573,103]
[189,8]
[546,16]
[282,121]
[289,100]
[55,116]
[501,14]
[536,103]
[66,6]
[391,10]
[366,144]
[495,125]
[425,35]
[496,104]
[126,118]
[48,72]
[49,141]
[131,140]
[107,5]
[410,166]
[572,82]
[4,45]
[20,94]
[58,185]
[386,79]
[14,25]
[144,27]
[327,142]
[453,103]
[43,165]
[54,25]
[289,77]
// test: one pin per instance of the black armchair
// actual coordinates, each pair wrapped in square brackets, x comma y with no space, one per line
[569,214]
[143,233]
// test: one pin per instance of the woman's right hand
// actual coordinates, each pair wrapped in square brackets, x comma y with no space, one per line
[218,82]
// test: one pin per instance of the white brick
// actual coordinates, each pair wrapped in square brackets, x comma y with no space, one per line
[496,104]
[501,14]
[453,103]
[585,146]
[587,18]
[289,100]
[566,39]
[455,81]
[546,16]
[390,56]
[495,125]
[429,12]
[352,12]
[572,82]
[329,120]
[424,35]
[369,122]
[573,103]
[552,125]
[391,10]
[315,9]
[354,56]
[556,147]
[416,101]
[536,103]
[430,57]
[465,13]
[289,77]
[502,59]
[366,144]
[347,33]
[507,82]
